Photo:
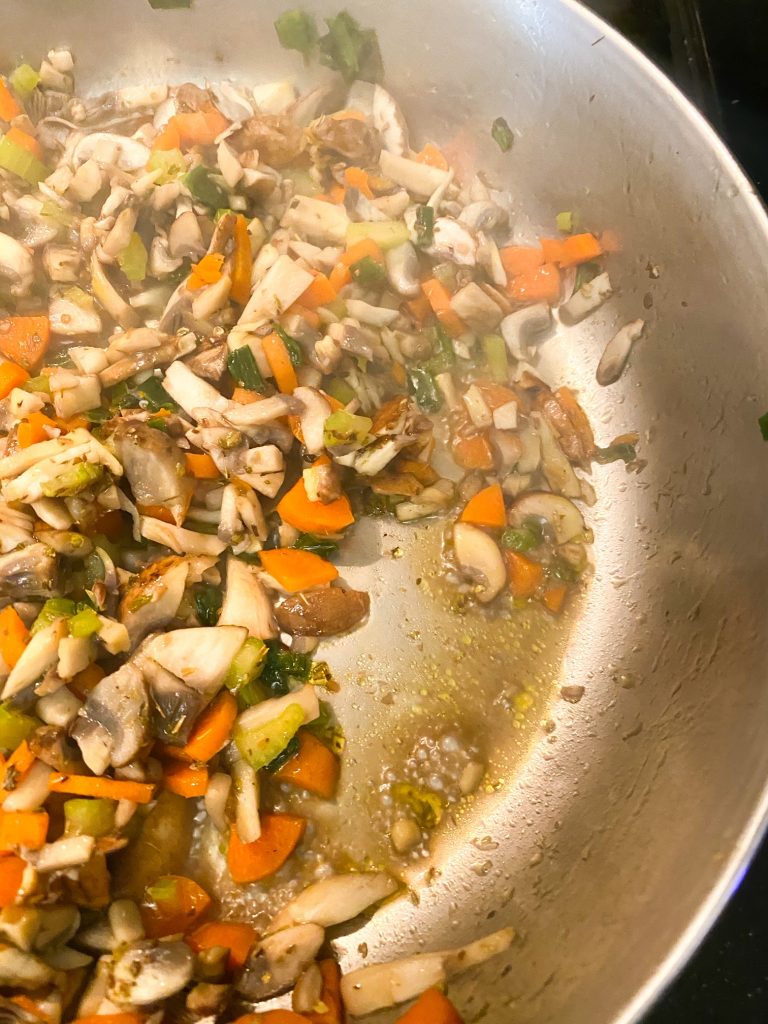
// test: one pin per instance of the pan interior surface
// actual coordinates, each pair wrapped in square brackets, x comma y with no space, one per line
[607,831]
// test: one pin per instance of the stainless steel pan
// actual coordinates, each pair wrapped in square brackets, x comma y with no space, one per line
[612,830]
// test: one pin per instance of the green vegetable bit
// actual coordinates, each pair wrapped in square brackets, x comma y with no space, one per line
[89,817]
[54,608]
[421,384]
[15,726]
[204,188]
[495,350]
[346,429]
[326,728]
[351,50]
[163,890]
[425,226]
[24,80]
[150,395]
[263,743]
[73,481]
[296,30]
[443,356]
[170,5]
[585,273]
[293,347]
[84,623]
[21,162]
[626,451]
[291,750]
[426,806]
[317,545]
[566,222]
[247,664]
[37,385]
[502,134]
[369,273]
[520,539]
[562,570]
[341,390]
[53,211]
[242,365]
[133,259]
[281,666]
[207,600]
[387,234]
[763,424]
[170,162]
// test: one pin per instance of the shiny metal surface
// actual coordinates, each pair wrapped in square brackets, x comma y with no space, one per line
[611,841]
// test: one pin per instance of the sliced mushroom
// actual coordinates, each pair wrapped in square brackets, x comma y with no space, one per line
[109,298]
[16,266]
[23,970]
[588,298]
[454,242]
[403,269]
[192,392]
[153,597]
[335,899]
[325,612]
[105,148]
[518,326]
[316,410]
[256,414]
[185,240]
[616,353]
[274,966]
[209,362]
[557,469]
[183,542]
[174,706]
[154,468]
[421,180]
[199,656]
[117,711]
[148,972]
[479,557]
[564,519]
[28,572]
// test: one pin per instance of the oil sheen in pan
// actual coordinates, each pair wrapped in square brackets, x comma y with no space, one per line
[428,685]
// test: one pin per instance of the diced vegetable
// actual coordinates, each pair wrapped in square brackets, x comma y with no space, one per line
[369,273]
[495,350]
[24,80]
[387,234]
[421,384]
[318,545]
[133,259]
[14,637]
[9,107]
[202,467]
[100,786]
[84,623]
[554,597]
[525,575]
[90,817]
[281,666]
[172,904]
[565,221]
[12,870]
[73,481]
[351,50]
[280,363]
[580,249]
[626,451]
[425,805]
[502,134]
[431,1007]
[425,226]
[239,939]
[21,162]
[204,187]
[247,664]
[11,376]
[170,162]
[189,781]
[473,452]
[440,300]
[296,30]
[346,429]
[297,570]
[280,835]
[296,509]
[320,293]
[522,538]
[314,767]
[15,726]
[486,508]
[763,424]
[242,365]
[25,339]
[240,290]
[262,744]
[539,285]
[22,829]
[54,608]
[212,730]
[28,142]
[198,128]
[520,259]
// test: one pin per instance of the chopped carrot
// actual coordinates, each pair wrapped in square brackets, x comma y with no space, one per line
[201,467]
[25,141]
[25,339]
[419,309]
[21,759]
[81,422]
[242,262]
[211,731]
[280,835]
[486,508]
[186,779]
[319,293]
[11,873]
[200,127]
[310,315]
[244,397]
[495,395]
[14,635]
[431,1007]
[280,363]
[297,570]
[552,250]
[82,684]
[398,372]
[32,429]
[473,452]
[348,114]
[430,155]
[314,767]
[337,195]
[358,251]
[237,938]
[297,510]
[37,1008]
[440,300]
[111,789]
[171,905]
[519,259]
[330,995]
[111,1018]
[11,376]
[169,137]
[540,285]
[22,828]
[9,106]
[339,277]
[525,575]
[207,271]
[357,178]
[157,512]
[580,249]
[553,598]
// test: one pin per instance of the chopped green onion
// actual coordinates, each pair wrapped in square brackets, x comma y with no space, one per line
[247,664]
[169,5]
[345,428]
[74,480]
[763,424]
[242,365]
[133,259]
[351,50]
[20,162]
[296,30]
[281,666]
[566,222]
[157,423]
[54,608]
[388,234]
[444,355]
[150,394]
[263,743]
[170,162]
[421,384]
[369,273]
[627,452]
[341,391]
[495,350]
[15,726]
[203,187]
[426,806]
[294,349]
[502,134]
[39,384]
[89,817]
[84,623]
[207,600]
[585,273]
[520,539]
[317,545]
[24,80]
[425,226]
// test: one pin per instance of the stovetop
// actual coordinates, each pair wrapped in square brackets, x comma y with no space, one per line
[715,51]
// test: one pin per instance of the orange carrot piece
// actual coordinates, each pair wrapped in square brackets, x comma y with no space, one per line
[22,828]
[310,315]
[25,339]
[9,106]
[552,250]
[525,575]
[297,510]
[540,285]
[430,155]
[398,372]
[337,195]
[495,395]
[242,261]
[211,731]
[339,277]
[473,452]
[357,178]
[110,1018]
[169,137]
[348,114]
[32,430]
[244,397]
[486,508]
[82,684]
[110,789]
[419,309]
[11,376]
[280,835]
[319,293]
[157,512]
[25,141]
[358,251]
[519,259]
[314,767]
[171,905]
[553,598]
[34,1007]
[207,271]
[14,635]
[280,363]
[21,759]
[237,938]
[201,467]
[440,300]
[186,779]
[330,995]
[580,249]
[432,1007]
[200,127]
[11,873]
[297,570]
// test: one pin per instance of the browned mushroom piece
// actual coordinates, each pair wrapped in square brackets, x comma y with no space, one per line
[347,137]
[190,97]
[211,362]
[325,612]
[278,139]
[52,745]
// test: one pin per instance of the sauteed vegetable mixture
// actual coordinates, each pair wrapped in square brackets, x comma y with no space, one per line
[235,321]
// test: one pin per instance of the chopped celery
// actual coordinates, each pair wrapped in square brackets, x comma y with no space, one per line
[388,234]
[320,675]
[54,211]
[74,480]
[425,226]
[338,307]
[247,664]
[207,600]
[24,80]
[296,30]
[89,817]
[341,391]
[21,162]
[170,162]
[85,623]
[566,222]
[495,350]
[427,807]
[15,726]
[54,608]
[262,744]
[369,273]
[344,428]
[322,546]
[242,365]
[204,188]
[624,451]
[133,259]
[37,384]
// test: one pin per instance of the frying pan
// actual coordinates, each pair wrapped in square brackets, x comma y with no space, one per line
[609,831]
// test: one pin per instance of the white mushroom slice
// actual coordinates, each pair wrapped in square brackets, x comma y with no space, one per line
[381,985]
[183,542]
[229,164]
[274,97]
[71,319]
[335,899]
[376,316]
[477,407]
[588,298]
[403,269]
[59,708]
[16,265]
[245,783]
[453,241]
[505,416]
[85,182]
[233,105]
[185,238]
[616,353]
[61,263]
[489,258]
[288,952]
[564,518]
[88,359]
[478,310]
[255,414]
[392,206]
[134,97]
[210,300]
[266,459]
[22,403]
[280,287]
[316,221]
[518,326]
[265,483]
[246,602]
[52,78]
[385,114]
[531,450]
[199,656]
[32,792]
[105,148]
[557,469]
[120,234]
[479,557]
[447,386]
[74,655]
[192,392]
[316,410]
[105,293]
[421,180]
[148,972]
[64,853]
[85,395]
[38,656]
[113,635]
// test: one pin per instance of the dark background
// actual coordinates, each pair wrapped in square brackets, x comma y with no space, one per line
[717,52]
